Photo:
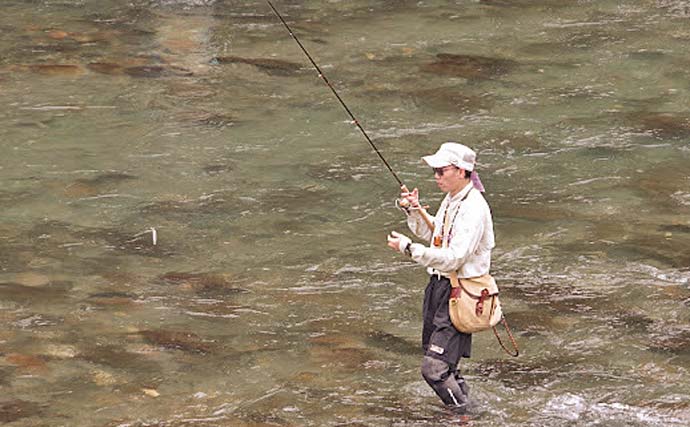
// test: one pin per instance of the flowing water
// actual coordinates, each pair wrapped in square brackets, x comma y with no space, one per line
[269,297]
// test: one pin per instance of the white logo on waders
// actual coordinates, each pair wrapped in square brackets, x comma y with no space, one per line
[436,349]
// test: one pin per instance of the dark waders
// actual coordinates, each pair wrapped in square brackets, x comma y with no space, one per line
[443,345]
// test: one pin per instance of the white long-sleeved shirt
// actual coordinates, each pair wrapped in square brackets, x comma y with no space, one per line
[471,238]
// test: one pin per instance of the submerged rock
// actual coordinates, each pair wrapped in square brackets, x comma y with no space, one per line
[27,362]
[54,69]
[667,178]
[106,68]
[507,3]
[27,294]
[217,169]
[632,320]
[555,299]
[449,99]
[182,208]
[345,358]
[34,321]
[60,351]
[591,38]
[469,66]
[32,279]
[112,298]
[103,378]
[522,374]
[78,190]
[177,340]
[117,357]
[108,178]
[13,410]
[535,322]
[78,37]
[89,187]
[155,71]
[675,228]
[390,342]
[663,125]
[5,374]
[57,34]
[150,71]
[185,89]
[665,252]
[213,119]
[201,282]
[265,416]
[344,351]
[276,67]
[671,341]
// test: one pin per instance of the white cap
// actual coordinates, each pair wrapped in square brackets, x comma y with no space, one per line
[452,153]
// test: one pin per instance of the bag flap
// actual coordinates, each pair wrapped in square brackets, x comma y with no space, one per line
[474,285]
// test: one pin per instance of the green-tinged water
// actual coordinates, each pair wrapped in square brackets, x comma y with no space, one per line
[270,297]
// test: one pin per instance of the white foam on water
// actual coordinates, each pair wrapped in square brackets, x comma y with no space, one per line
[626,413]
[424,129]
[576,408]
[567,406]
[681,197]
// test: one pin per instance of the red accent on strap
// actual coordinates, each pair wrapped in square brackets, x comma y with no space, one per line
[455,292]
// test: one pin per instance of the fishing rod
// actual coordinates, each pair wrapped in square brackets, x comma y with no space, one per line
[323,77]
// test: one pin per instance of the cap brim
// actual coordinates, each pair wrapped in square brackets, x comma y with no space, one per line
[436,161]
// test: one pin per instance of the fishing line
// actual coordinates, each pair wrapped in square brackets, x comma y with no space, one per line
[323,77]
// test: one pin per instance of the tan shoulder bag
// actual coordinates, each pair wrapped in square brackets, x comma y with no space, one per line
[474,305]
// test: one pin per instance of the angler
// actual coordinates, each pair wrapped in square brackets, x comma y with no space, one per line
[461,297]
[461,238]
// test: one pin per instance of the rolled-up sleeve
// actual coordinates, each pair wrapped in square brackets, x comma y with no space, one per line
[418,226]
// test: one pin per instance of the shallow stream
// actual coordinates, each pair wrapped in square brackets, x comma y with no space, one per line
[269,297]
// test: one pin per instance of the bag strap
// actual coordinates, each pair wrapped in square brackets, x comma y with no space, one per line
[455,283]
[510,335]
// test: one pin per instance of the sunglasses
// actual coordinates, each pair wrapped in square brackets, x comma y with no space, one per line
[439,171]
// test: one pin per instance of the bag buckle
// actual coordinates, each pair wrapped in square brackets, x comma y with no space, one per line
[479,308]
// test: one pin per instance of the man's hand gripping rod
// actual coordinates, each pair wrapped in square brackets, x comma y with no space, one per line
[405,204]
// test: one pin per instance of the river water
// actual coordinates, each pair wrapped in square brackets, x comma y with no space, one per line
[269,297]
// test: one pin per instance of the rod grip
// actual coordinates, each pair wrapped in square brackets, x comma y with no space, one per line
[422,209]
[403,202]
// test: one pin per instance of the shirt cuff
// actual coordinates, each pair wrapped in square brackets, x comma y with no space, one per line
[417,250]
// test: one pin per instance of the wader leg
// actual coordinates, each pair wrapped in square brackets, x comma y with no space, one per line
[462,384]
[440,376]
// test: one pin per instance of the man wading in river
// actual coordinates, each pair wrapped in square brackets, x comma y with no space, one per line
[461,240]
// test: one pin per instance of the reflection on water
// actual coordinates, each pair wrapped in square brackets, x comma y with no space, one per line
[269,297]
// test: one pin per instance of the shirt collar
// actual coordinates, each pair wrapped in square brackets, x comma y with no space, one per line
[461,194]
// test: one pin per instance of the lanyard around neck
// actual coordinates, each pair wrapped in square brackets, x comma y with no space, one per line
[447,228]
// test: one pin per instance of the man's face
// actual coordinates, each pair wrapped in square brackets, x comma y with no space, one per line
[448,178]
